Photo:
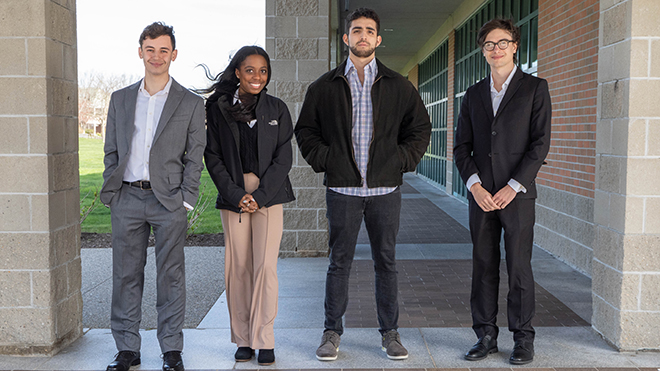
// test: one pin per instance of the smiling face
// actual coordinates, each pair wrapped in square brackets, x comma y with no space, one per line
[362,38]
[498,58]
[157,54]
[252,75]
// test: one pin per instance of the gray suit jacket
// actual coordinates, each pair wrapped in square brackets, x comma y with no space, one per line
[175,160]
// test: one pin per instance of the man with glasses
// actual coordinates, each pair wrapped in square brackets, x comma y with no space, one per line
[502,138]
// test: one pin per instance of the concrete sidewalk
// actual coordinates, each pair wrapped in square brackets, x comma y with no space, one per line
[434,260]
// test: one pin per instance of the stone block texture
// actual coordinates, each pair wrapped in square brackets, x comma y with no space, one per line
[627,244]
[40,298]
[297,42]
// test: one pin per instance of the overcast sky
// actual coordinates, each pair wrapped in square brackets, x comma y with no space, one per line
[206,31]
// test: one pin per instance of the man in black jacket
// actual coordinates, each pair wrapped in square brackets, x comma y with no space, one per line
[502,138]
[364,125]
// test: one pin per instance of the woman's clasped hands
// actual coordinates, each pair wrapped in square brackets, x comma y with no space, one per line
[248,204]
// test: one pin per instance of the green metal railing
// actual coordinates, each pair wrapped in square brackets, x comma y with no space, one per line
[433,87]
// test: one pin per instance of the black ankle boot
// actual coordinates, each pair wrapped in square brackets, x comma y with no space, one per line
[266,357]
[244,354]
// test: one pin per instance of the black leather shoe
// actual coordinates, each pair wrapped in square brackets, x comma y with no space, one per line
[523,353]
[244,354]
[266,357]
[124,360]
[485,346]
[172,361]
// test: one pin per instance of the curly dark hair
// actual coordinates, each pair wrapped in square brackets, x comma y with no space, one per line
[156,30]
[362,13]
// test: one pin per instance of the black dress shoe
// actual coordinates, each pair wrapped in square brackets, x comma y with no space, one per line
[244,354]
[523,353]
[485,346]
[266,357]
[124,360]
[172,361]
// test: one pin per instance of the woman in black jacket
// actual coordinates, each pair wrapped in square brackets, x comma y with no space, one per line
[248,156]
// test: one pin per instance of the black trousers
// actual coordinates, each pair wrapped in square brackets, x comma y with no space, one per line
[381,217]
[517,220]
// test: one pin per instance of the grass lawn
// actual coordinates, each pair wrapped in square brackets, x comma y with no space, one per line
[91,179]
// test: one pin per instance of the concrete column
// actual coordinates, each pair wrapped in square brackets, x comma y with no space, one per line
[40,299]
[626,264]
[297,42]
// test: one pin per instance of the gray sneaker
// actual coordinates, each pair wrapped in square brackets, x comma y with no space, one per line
[393,347]
[327,351]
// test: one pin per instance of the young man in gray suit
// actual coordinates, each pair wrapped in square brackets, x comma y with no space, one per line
[155,140]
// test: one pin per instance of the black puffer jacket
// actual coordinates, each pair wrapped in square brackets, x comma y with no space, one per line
[402,129]
[223,161]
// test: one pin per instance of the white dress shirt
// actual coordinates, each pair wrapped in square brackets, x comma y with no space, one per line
[148,109]
[496,98]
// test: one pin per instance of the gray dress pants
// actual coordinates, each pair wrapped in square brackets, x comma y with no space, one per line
[134,213]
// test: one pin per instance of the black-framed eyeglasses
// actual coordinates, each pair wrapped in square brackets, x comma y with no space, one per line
[502,44]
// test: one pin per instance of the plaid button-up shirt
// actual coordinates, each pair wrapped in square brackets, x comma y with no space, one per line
[363,127]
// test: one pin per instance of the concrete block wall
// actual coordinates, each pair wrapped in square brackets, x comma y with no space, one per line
[568,58]
[297,41]
[626,264]
[40,271]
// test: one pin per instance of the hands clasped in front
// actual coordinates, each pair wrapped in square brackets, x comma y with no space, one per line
[248,204]
[487,202]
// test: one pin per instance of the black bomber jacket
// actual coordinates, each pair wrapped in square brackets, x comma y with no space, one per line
[401,134]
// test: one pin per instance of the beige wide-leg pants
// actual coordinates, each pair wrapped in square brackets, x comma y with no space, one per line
[251,250]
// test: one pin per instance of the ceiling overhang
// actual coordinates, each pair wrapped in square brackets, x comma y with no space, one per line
[405,26]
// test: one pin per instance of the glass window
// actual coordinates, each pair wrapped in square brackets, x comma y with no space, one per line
[523,51]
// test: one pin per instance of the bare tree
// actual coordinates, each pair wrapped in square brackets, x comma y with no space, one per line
[94,91]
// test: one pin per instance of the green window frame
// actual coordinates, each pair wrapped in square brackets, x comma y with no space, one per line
[471,66]
[434,88]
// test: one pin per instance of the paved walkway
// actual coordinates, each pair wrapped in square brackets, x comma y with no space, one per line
[434,279]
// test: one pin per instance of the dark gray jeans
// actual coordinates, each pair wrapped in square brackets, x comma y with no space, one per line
[381,217]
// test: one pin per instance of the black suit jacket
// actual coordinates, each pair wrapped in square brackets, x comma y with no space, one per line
[512,144]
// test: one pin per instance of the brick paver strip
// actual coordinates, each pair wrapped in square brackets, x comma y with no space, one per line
[423,222]
[436,293]
[408,189]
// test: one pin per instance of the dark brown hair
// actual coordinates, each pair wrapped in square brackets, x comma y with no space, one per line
[502,24]
[156,30]
[362,13]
